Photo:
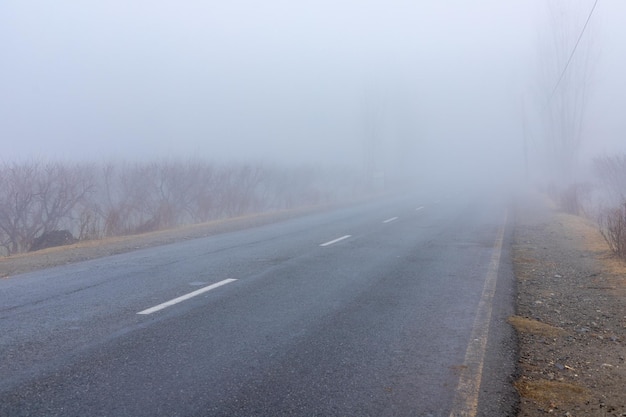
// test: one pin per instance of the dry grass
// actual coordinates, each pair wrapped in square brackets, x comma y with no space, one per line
[525,325]
[92,249]
[589,236]
[525,260]
[551,394]
[591,239]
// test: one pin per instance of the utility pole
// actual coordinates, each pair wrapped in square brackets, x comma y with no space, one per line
[525,140]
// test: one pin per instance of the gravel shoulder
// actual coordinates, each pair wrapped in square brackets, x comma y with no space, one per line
[570,318]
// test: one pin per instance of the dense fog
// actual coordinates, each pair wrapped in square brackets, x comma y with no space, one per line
[295,81]
[428,93]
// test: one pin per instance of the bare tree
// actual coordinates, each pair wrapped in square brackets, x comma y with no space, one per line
[17,204]
[61,188]
[564,84]
[36,198]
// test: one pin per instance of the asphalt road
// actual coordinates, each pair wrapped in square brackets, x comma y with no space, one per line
[391,308]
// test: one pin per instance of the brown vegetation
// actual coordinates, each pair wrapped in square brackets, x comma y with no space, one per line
[526,325]
[611,170]
[551,394]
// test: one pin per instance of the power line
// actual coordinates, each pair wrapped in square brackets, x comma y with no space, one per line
[573,51]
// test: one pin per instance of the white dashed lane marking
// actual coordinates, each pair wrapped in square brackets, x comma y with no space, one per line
[336,240]
[186,297]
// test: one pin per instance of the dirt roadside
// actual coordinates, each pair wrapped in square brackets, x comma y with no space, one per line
[571,316]
[93,249]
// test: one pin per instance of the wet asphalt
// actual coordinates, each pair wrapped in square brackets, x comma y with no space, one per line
[376,322]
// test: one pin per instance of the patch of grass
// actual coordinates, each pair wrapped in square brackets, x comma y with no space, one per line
[525,325]
[551,394]
[523,260]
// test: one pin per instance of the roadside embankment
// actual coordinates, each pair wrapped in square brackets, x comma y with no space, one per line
[571,316]
[92,249]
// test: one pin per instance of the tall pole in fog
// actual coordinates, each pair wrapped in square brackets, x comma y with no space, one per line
[372,141]
[525,140]
[565,64]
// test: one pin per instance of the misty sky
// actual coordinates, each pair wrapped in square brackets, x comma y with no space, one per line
[286,80]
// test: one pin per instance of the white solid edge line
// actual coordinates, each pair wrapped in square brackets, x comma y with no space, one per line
[336,240]
[390,220]
[419,208]
[468,390]
[186,296]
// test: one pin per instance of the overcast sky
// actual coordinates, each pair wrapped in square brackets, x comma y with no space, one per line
[285,80]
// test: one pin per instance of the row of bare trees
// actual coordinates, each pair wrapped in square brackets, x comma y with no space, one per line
[120,198]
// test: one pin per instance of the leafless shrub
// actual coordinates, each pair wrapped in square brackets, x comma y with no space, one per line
[36,198]
[136,198]
[611,172]
[89,224]
[613,228]
[17,206]
[236,189]
[203,206]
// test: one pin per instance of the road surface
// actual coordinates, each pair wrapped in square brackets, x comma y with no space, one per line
[391,308]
